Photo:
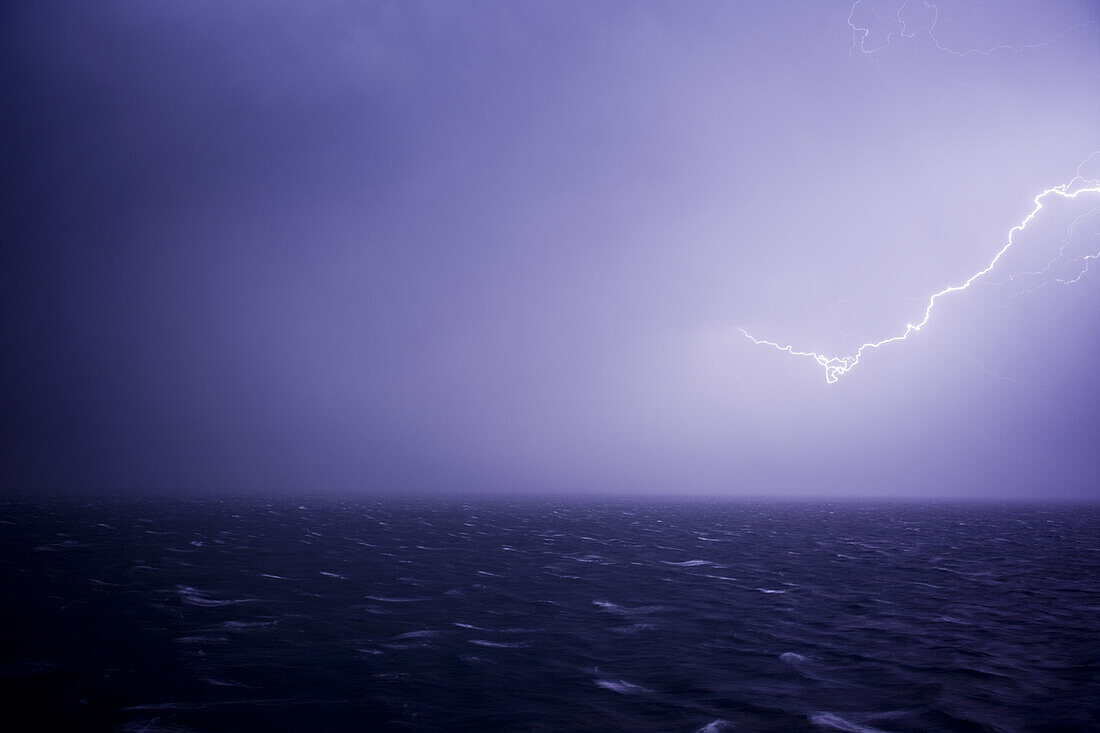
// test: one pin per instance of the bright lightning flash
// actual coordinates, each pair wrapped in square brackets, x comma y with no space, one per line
[837,366]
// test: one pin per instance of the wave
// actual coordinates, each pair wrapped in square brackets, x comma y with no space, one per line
[793,658]
[622,687]
[196,597]
[422,634]
[497,644]
[835,722]
[717,726]
[225,683]
[244,626]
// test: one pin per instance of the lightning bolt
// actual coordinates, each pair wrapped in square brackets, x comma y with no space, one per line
[837,366]
[1083,260]
[861,32]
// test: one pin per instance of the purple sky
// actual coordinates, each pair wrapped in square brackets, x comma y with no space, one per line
[501,246]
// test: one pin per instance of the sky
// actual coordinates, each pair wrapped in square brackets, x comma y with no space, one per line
[507,247]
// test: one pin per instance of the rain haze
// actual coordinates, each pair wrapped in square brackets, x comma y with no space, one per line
[436,247]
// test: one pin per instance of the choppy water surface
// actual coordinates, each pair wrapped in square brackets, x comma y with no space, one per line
[549,616]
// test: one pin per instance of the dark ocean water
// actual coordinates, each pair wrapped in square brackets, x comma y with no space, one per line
[240,615]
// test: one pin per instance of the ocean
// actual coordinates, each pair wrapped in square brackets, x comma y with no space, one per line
[220,614]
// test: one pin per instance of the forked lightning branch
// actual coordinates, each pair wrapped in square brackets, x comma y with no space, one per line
[837,366]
